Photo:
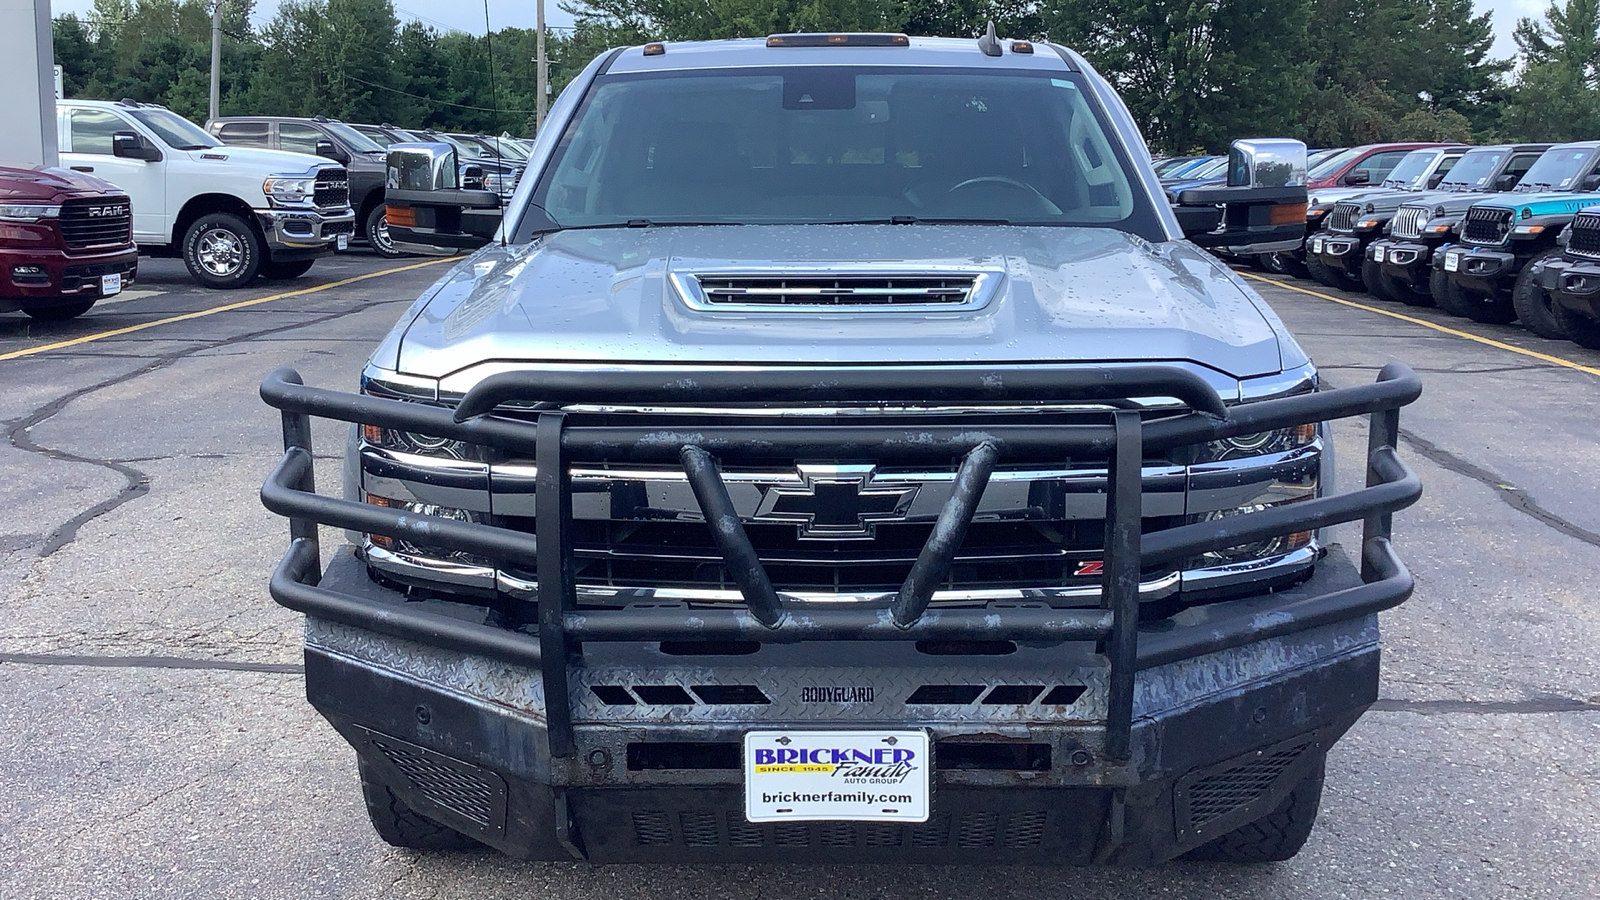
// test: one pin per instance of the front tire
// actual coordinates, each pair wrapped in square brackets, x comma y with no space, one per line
[1372,277]
[1533,303]
[222,251]
[377,231]
[1581,330]
[284,271]
[399,825]
[1327,276]
[1278,835]
[59,313]
[1446,295]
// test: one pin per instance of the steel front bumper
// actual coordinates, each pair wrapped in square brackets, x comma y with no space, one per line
[1341,251]
[1409,261]
[304,234]
[547,729]
[1575,286]
[1478,270]
[64,279]
[461,737]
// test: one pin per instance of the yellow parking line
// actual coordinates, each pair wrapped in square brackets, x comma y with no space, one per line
[118,332]
[1567,363]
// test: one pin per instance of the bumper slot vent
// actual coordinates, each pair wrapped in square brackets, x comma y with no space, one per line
[676,695]
[471,798]
[958,694]
[1209,796]
[992,757]
[1019,829]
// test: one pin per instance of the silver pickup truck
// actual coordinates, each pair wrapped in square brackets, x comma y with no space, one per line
[841,450]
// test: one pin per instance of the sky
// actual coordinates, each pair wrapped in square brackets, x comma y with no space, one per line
[468,16]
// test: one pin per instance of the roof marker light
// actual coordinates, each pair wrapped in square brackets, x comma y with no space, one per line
[1021,47]
[838,40]
[655,49]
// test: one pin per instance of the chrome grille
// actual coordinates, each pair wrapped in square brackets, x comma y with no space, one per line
[97,222]
[1584,240]
[332,189]
[1343,217]
[1486,225]
[784,290]
[1408,222]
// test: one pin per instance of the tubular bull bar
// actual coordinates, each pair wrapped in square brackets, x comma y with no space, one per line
[555,626]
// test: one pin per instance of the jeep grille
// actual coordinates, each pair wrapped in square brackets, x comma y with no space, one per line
[828,290]
[1486,225]
[332,190]
[1343,217]
[1408,222]
[1585,237]
[98,222]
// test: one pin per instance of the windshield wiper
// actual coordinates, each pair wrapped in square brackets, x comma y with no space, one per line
[914,220]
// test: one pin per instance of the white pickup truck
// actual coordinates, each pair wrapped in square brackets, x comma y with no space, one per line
[232,213]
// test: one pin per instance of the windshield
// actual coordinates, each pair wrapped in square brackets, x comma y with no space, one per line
[1474,170]
[1334,163]
[1411,169]
[506,148]
[179,133]
[1211,169]
[818,144]
[1557,169]
[356,141]
[464,149]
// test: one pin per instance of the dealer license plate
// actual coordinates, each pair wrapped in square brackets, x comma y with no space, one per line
[820,776]
[1316,245]
[110,284]
[1452,262]
[1379,253]
[343,241]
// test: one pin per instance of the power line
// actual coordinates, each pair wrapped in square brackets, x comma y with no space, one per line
[432,100]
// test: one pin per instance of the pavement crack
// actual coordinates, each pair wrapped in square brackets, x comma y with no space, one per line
[136,482]
[1511,496]
[1535,706]
[149,662]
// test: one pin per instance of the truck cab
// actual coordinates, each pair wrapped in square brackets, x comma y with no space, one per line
[330,139]
[231,213]
[843,451]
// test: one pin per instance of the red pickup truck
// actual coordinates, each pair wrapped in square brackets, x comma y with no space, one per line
[66,241]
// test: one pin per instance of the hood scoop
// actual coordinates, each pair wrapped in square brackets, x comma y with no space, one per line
[859,290]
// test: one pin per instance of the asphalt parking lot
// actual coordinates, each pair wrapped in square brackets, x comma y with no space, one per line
[155,741]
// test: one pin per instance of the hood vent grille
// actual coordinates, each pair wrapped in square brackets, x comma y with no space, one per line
[769,291]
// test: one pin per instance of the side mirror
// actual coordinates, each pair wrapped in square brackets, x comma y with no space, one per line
[1357,177]
[1263,207]
[431,206]
[327,150]
[128,145]
[1435,180]
[1506,182]
[472,178]
[1590,182]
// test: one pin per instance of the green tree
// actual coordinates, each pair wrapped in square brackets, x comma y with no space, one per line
[1556,97]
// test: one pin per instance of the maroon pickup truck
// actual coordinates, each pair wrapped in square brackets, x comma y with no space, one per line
[66,241]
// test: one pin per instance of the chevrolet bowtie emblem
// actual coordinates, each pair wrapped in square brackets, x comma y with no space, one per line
[837,502]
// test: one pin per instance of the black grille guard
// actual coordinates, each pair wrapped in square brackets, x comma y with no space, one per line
[554,626]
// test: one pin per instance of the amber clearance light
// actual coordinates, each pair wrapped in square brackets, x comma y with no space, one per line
[404,216]
[1287,214]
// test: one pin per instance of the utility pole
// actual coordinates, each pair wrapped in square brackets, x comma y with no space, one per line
[216,58]
[543,80]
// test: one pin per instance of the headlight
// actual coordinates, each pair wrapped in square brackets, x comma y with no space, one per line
[411,441]
[28,212]
[289,188]
[398,545]
[1276,441]
[1256,550]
